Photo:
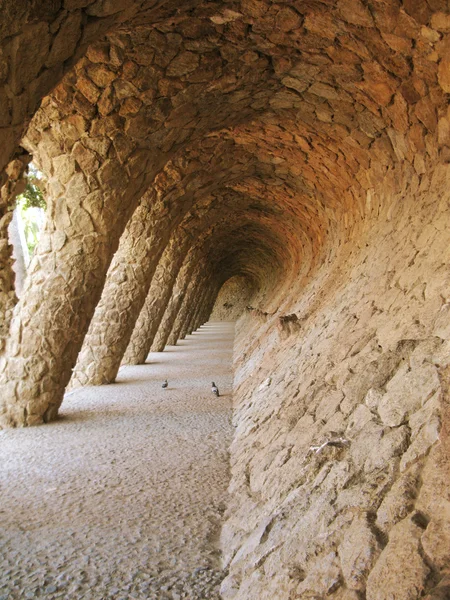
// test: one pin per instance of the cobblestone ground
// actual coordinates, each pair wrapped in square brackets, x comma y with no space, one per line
[123,496]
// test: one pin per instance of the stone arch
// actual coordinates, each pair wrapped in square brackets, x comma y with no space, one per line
[320,134]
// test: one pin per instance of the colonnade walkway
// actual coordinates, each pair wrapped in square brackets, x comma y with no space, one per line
[124,495]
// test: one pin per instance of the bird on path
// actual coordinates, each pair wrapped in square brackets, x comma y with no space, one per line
[165,384]
[215,389]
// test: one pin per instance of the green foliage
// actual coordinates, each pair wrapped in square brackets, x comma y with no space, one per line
[30,204]
[33,193]
[33,196]
[30,223]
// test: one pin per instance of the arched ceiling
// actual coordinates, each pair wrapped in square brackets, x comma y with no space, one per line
[281,113]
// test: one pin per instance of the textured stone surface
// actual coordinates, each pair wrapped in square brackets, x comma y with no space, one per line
[233,297]
[400,571]
[310,144]
[314,440]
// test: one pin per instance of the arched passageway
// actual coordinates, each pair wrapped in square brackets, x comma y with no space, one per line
[301,146]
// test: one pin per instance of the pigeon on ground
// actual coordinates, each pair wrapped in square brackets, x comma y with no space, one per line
[215,389]
[165,384]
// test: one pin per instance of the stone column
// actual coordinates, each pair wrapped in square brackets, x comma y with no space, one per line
[124,294]
[199,307]
[157,299]
[208,305]
[188,274]
[87,213]
[15,184]
[183,309]
[190,306]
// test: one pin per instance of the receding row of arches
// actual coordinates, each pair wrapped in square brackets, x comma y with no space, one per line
[295,156]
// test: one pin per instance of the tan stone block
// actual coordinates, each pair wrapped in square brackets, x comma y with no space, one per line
[444,74]
[130,106]
[100,145]
[100,74]
[357,553]
[398,44]
[419,10]
[425,110]
[86,158]
[380,91]
[107,102]
[125,89]
[400,499]
[287,19]
[436,542]
[64,168]
[66,39]
[400,571]
[183,63]
[430,35]
[422,442]
[373,398]
[391,446]
[88,88]
[322,24]
[255,8]
[322,576]
[28,53]
[355,13]
[98,52]
[324,91]
[398,112]
[441,22]
[82,105]
[406,392]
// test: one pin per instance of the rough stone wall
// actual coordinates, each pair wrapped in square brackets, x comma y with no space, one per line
[233,297]
[340,461]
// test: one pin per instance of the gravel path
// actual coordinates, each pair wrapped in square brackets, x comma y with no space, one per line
[123,496]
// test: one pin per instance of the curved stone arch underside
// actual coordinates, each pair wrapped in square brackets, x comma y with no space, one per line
[300,150]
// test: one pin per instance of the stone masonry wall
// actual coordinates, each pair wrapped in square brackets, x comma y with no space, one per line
[233,297]
[339,466]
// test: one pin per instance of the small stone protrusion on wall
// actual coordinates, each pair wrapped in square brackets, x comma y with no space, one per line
[289,325]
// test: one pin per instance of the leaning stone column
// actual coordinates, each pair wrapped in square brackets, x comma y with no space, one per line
[189,307]
[207,306]
[85,218]
[184,310]
[189,272]
[15,184]
[157,299]
[124,294]
[199,306]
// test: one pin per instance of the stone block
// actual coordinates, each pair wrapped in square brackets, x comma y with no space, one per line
[65,41]
[436,542]
[357,553]
[400,499]
[421,444]
[400,571]
[323,576]
[406,392]
[29,51]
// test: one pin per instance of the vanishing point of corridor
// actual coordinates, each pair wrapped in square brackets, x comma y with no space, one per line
[122,497]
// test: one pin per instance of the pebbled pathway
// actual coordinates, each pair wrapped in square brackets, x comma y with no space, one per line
[123,496]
